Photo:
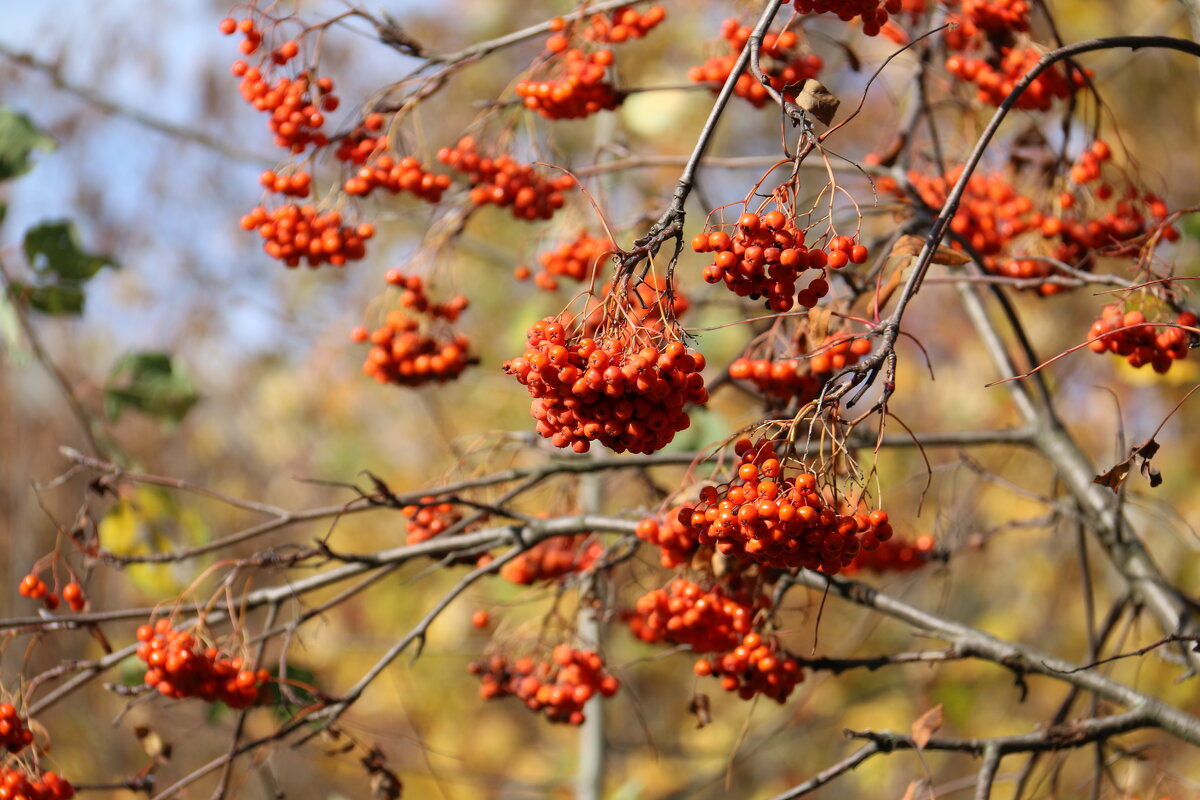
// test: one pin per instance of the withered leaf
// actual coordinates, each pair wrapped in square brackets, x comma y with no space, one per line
[814,98]
[153,744]
[926,726]
[1116,475]
[699,707]
[818,323]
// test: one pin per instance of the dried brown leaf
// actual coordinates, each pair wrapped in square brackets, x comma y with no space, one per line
[699,707]
[814,98]
[926,726]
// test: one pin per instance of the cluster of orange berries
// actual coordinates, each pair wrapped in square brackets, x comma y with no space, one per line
[627,395]
[577,259]
[624,23]
[298,184]
[781,61]
[18,784]
[551,559]
[580,90]
[874,13]
[676,541]
[766,255]
[558,687]
[894,555]
[800,379]
[712,621]
[35,588]
[297,105]
[405,175]
[1126,333]
[759,665]
[994,16]
[293,233]
[14,736]
[385,171]
[404,354]
[180,668]
[779,521]
[503,182]
[428,519]
[995,82]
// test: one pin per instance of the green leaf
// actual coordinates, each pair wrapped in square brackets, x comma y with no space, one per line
[51,247]
[1190,225]
[54,298]
[152,383]
[299,680]
[18,139]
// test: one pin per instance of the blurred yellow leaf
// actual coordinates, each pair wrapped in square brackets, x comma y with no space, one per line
[150,520]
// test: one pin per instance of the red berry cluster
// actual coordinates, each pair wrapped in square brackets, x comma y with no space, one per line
[297,105]
[559,687]
[995,81]
[783,380]
[503,182]
[994,17]
[766,256]
[551,559]
[407,353]
[781,522]
[14,736]
[294,233]
[1127,334]
[18,784]
[364,141]
[782,62]
[428,519]
[580,88]
[297,184]
[35,588]
[180,668]
[758,665]
[894,555]
[624,23]
[624,392]
[578,259]
[992,214]
[405,175]
[676,540]
[838,352]
[874,13]
[712,621]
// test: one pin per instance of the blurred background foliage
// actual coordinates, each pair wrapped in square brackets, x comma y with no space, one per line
[261,396]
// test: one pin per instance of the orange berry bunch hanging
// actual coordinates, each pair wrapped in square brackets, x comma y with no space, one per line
[676,541]
[428,519]
[366,139]
[996,78]
[404,175]
[874,13]
[506,183]
[781,521]
[558,687]
[839,351]
[296,184]
[781,61]
[18,784]
[766,257]
[578,88]
[297,105]
[14,735]
[757,666]
[707,621]
[415,348]
[554,558]
[577,259]
[627,391]
[624,23]
[294,234]
[35,588]
[1128,334]
[180,667]
[894,555]
[782,380]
